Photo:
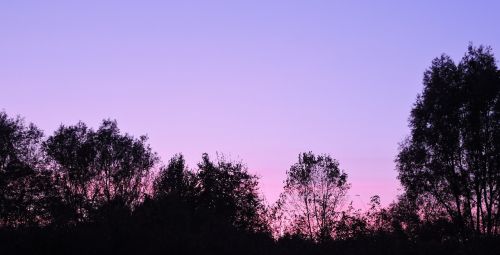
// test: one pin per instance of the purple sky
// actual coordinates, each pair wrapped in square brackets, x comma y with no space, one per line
[259,81]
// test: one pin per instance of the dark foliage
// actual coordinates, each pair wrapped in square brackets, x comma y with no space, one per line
[314,193]
[450,165]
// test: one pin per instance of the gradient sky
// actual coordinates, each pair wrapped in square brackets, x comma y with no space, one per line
[259,81]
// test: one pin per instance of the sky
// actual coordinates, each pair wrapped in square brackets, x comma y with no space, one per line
[259,81]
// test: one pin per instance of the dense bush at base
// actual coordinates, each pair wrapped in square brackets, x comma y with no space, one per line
[134,239]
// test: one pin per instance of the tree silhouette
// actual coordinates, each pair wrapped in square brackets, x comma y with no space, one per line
[71,151]
[99,167]
[213,209]
[24,184]
[123,163]
[314,192]
[450,163]
[176,180]
[230,192]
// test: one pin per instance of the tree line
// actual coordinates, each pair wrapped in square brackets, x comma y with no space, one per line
[85,191]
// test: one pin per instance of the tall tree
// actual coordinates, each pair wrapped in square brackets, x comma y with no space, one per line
[123,163]
[230,192]
[24,184]
[71,151]
[175,180]
[99,167]
[314,193]
[450,162]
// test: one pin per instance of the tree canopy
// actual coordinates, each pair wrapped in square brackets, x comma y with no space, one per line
[314,193]
[451,160]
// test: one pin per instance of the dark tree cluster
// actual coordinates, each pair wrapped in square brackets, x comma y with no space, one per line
[100,191]
[450,165]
